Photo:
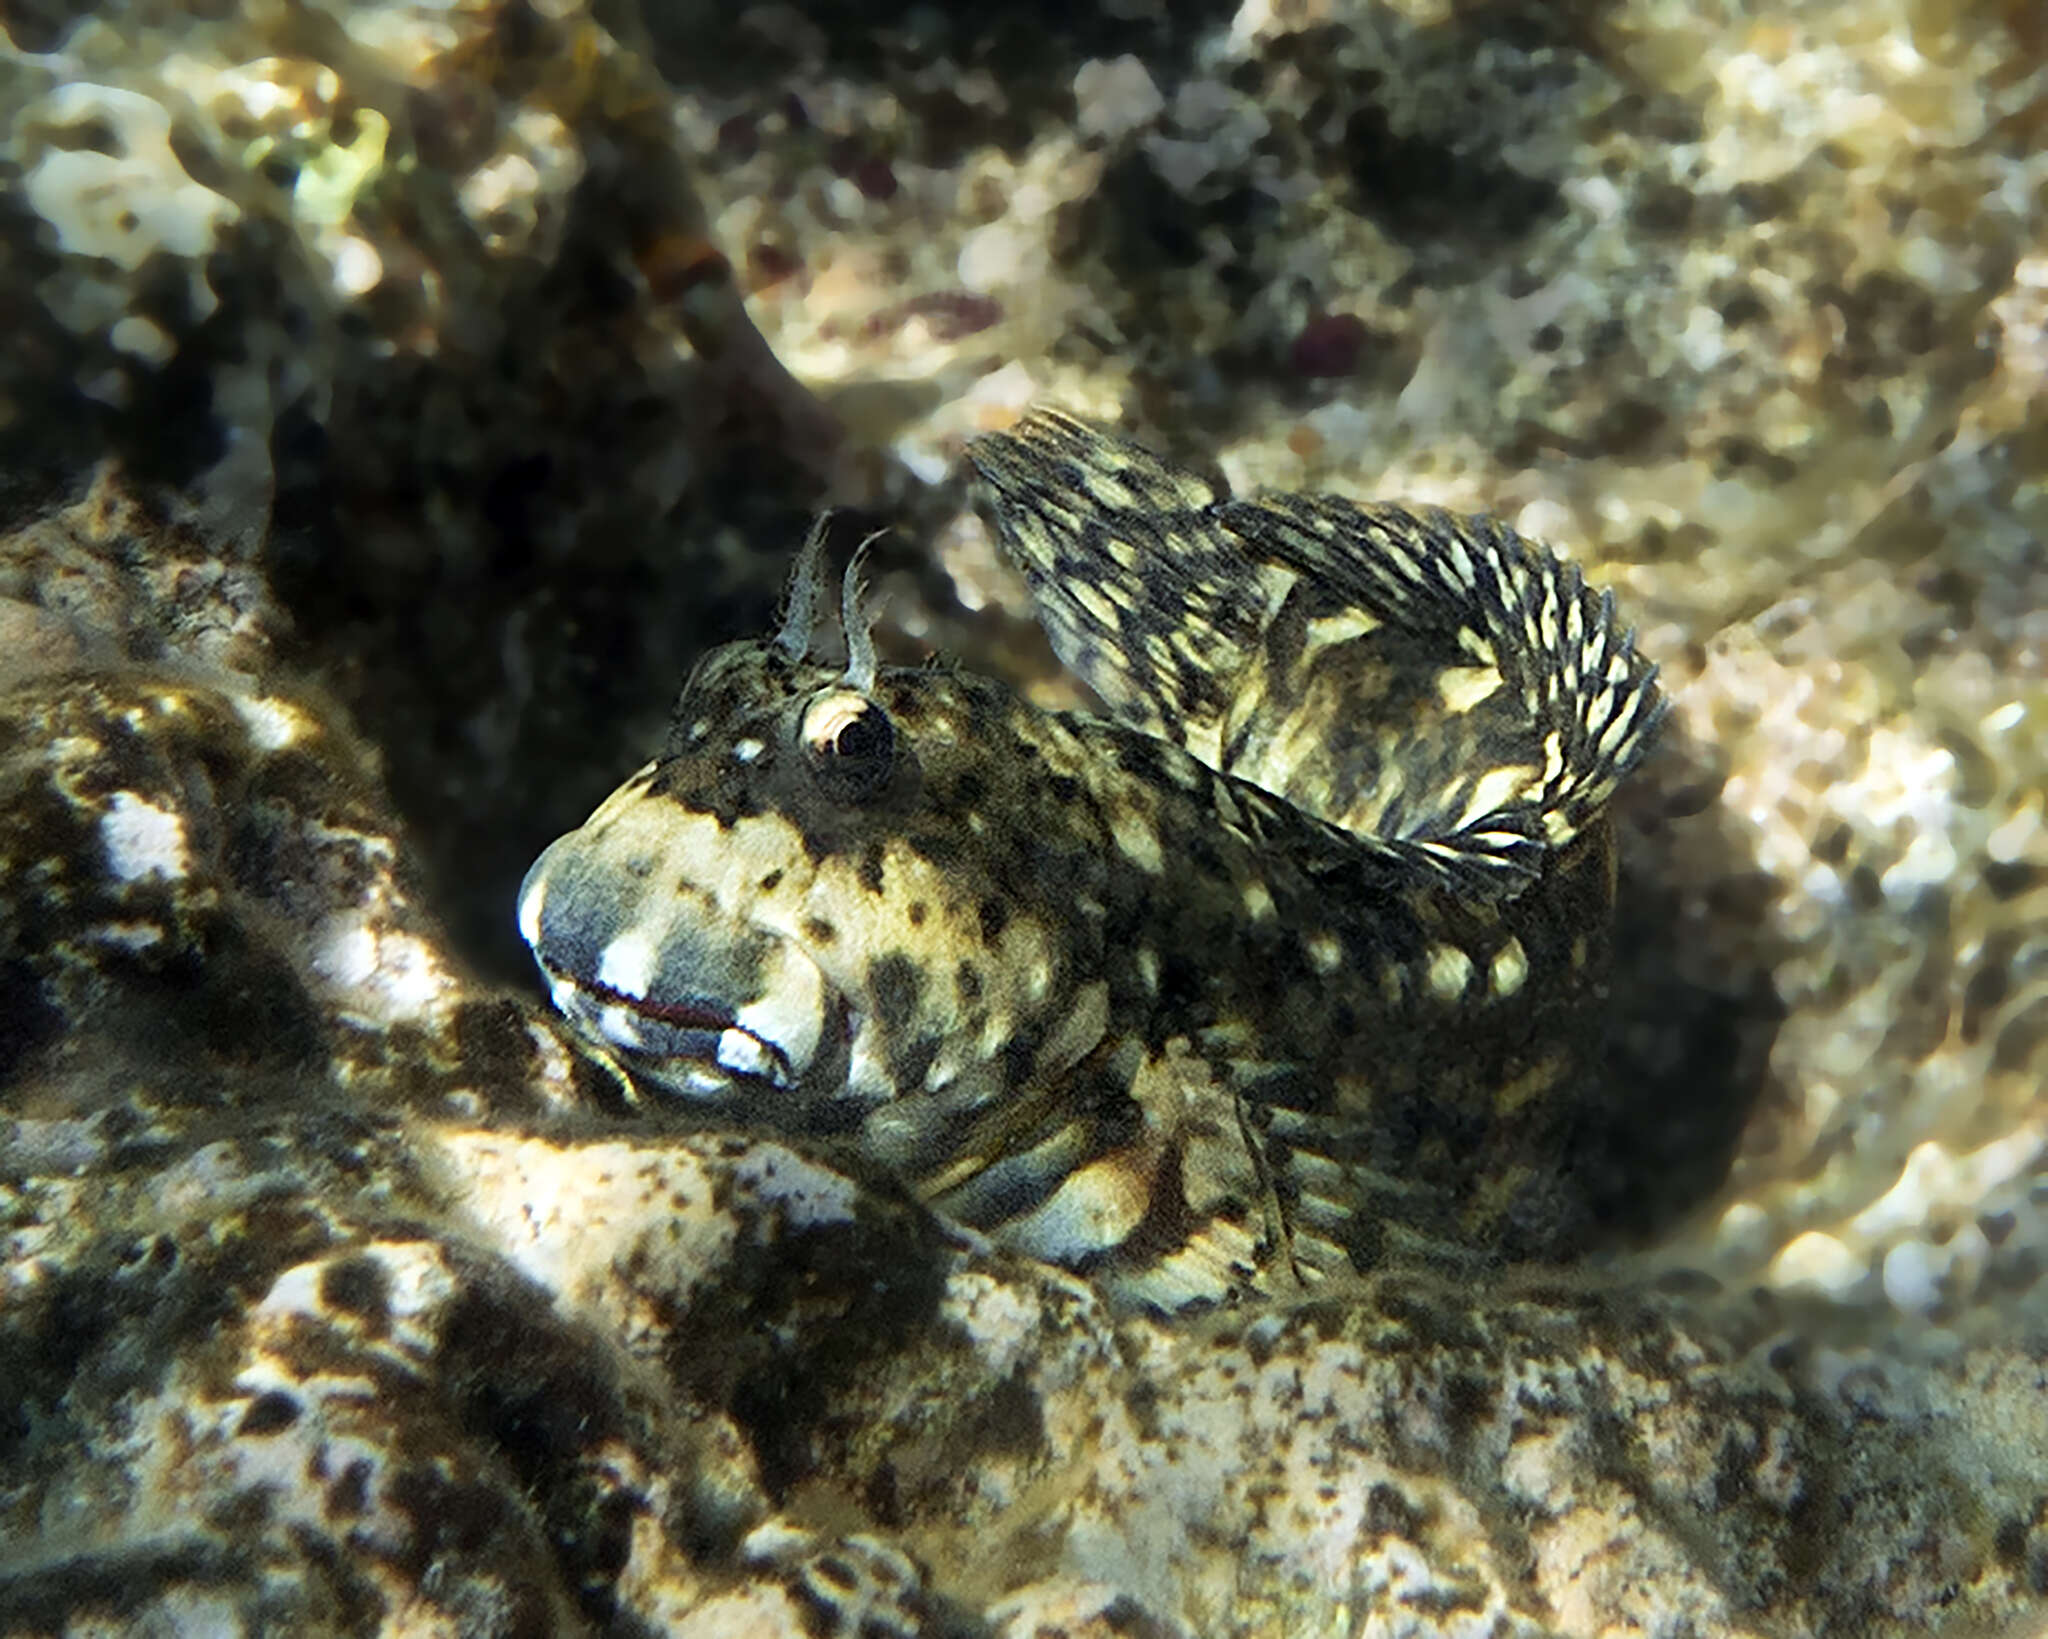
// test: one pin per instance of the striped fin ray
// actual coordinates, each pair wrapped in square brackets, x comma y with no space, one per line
[1576,708]
[1352,863]
[1144,596]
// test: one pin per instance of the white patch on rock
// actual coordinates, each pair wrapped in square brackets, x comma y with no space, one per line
[354,267]
[1912,1275]
[295,1292]
[1000,255]
[212,1180]
[1008,391]
[1182,166]
[498,196]
[127,205]
[808,1195]
[272,724]
[1820,1261]
[1934,1181]
[1114,96]
[386,974]
[133,937]
[574,1216]
[141,338]
[347,956]
[1000,1320]
[142,840]
[410,978]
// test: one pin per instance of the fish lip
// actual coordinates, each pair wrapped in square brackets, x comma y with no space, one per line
[692,1026]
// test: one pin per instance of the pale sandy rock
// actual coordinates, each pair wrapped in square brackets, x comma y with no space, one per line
[342,1290]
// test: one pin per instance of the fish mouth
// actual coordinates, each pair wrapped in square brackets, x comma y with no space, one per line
[698,1043]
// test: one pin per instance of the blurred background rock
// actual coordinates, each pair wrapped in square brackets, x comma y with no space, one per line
[492,356]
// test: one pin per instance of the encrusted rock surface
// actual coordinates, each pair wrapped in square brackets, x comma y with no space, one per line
[340,1289]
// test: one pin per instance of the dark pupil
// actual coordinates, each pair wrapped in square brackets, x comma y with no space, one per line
[866,736]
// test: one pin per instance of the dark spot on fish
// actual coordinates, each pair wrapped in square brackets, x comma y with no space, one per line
[871,867]
[995,916]
[269,1413]
[1200,851]
[941,848]
[1180,979]
[909,1068]
[1139,759]
[350,1494]
[771,881]
[819,931]
[916,913]
[1389,1514]
[356,1286]
[1020,1057]
[894,983]
[967,980]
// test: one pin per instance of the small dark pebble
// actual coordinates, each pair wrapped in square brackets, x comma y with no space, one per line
[948,315]
[1329,345]
[875,177]
[769,264]
[869,172]
[739,137]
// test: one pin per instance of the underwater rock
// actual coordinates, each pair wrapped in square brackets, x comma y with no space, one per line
[340,1288]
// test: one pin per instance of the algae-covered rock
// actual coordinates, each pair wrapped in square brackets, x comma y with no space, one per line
[383,436]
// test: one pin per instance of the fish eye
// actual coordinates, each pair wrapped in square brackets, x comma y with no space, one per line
[848,743]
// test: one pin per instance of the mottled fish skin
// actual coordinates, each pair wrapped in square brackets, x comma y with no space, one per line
[1093,993]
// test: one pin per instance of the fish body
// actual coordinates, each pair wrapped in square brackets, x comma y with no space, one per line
[1291,967]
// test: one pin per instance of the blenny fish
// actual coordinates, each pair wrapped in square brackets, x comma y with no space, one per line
[1288,966]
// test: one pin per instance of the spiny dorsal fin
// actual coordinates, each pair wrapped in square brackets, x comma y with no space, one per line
[1143,597]
[1430,683]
